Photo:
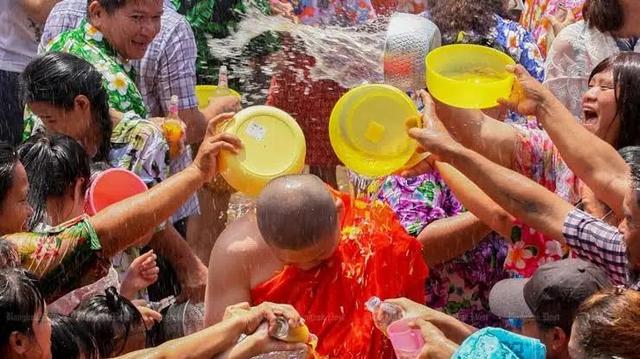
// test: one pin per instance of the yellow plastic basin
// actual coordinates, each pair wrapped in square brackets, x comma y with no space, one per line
[204,92]
[273,146]
[368,129]
[468,76]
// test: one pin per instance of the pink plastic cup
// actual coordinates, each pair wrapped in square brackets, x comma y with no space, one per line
[112,186]
[407,342]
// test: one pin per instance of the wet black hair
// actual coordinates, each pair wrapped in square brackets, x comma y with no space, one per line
[70,341]
[108,317]
[604,15]
[20,303]
[53,163]
[58,78]
[630,154]
[8,162]
[626,77]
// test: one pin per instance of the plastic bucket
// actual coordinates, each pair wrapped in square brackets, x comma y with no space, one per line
[112,186]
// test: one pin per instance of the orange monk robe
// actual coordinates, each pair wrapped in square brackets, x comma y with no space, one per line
[375,257]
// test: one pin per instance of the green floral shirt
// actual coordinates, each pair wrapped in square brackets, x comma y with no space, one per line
[65,257]
[88,43]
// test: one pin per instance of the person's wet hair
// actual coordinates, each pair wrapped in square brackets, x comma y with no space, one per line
[109,316]
[9,257]
[626,76]
[8,162]
[53,164]
[58,78]
[20,303]
[295,212]
[604,15]
[607,324]
[631,155]
[70,341]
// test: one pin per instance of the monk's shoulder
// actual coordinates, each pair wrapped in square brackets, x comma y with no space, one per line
[241,240]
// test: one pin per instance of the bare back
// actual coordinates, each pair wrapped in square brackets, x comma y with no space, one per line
[240,260]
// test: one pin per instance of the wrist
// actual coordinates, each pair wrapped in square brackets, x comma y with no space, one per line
[546,103]
[452,152]
[194,171]
[127,291]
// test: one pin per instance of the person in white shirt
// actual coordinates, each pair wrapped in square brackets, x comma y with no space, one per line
[21,24]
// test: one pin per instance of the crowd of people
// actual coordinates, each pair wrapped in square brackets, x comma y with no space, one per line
[517,237]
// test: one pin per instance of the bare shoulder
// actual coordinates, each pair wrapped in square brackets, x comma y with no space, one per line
[240,240]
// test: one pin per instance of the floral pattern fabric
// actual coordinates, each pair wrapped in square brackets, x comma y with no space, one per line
[461,286]
[65,257]
[537,158]
[139,146]
[532,249]
[88,43]
[520,45]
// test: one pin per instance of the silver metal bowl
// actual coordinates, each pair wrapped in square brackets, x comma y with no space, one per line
[409,40]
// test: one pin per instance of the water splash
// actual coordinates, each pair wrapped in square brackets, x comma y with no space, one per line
[348,55]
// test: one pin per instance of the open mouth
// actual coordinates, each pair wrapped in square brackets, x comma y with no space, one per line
[590,116]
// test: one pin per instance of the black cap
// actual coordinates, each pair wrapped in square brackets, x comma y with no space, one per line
[551,295]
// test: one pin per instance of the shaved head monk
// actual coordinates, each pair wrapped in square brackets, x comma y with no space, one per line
[323,253]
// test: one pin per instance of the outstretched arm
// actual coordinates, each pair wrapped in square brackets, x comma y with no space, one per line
[448,238]
[217,339]
[592,159]
[119,225]
[517,194]
[494,139]
[476,201]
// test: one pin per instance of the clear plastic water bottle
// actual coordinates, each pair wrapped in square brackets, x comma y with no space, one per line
[383,313]
[223,82]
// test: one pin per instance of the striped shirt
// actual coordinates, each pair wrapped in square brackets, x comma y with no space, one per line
[602,244]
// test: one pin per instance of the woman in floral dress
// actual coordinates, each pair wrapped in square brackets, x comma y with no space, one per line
[465,258]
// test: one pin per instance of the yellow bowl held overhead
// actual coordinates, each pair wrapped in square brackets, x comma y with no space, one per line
[468,76]
[368,129]
[204,92]
[273,146]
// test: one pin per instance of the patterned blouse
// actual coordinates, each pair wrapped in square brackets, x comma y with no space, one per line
[461,286]
[88,43]
[65,257]
[520,45]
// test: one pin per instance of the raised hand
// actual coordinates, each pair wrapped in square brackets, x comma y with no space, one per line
[528,94]
[207,158]
[142,272]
